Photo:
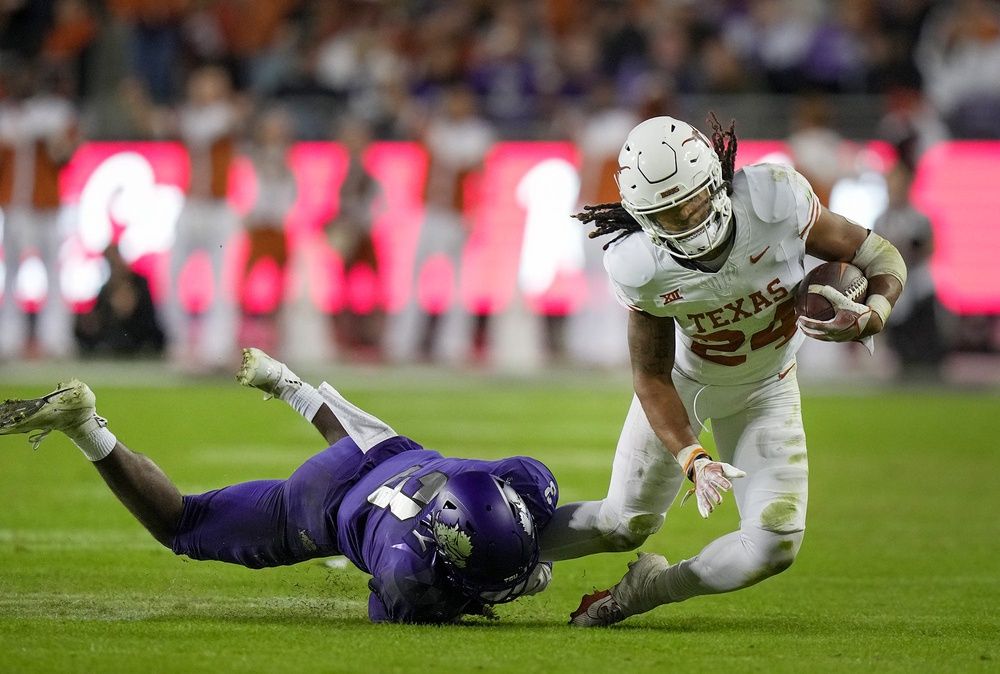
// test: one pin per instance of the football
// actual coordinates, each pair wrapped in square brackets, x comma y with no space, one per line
[843,276]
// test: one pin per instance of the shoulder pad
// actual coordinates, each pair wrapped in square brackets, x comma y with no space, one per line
[630,262]
[769,187]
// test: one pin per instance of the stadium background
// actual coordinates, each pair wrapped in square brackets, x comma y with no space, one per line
[531,357]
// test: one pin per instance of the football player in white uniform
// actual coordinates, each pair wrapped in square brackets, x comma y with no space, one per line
[708,260]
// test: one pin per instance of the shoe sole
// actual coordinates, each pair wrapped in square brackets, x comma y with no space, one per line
[13,413]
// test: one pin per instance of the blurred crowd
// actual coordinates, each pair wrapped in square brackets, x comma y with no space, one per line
[533,66]
[245,75]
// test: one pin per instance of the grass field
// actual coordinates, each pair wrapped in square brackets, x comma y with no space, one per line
[899,570]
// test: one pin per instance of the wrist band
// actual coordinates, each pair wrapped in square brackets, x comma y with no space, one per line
[688,455]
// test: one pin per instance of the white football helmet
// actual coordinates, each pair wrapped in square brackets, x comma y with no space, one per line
[664,164]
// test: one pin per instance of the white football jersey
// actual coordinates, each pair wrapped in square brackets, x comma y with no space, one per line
[736,325]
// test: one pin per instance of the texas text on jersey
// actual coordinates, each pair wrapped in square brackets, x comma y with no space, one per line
[742,314]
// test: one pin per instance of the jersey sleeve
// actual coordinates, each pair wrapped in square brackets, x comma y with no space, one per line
[779,193]
[534,482]
[630,266]
[807,206]
[405,589]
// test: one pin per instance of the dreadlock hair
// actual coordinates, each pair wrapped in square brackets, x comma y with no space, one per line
[608,218]
[612,217]
[724,142]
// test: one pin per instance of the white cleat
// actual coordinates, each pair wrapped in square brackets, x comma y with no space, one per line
[607,607]
[598,609]
[260,371]
[70,406]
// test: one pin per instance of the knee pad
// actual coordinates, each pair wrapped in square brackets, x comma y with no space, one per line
[622,535]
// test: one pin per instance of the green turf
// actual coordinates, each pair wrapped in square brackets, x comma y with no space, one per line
[899,570]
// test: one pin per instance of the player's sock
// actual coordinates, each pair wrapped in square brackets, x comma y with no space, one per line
[675,584]
[274,378]
[302,396]
[93,438]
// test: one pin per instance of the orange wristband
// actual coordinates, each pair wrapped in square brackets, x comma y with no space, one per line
[687,456]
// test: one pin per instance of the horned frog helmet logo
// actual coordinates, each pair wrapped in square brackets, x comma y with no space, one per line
[523,516]
[454,543]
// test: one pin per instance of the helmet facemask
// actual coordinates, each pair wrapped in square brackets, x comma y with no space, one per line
[664,165]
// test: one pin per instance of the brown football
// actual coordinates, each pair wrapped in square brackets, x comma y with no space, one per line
[843,276]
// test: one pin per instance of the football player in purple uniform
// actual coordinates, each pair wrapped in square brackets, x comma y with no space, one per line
[707,259]
[441,537]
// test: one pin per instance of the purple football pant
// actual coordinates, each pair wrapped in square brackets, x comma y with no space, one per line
[273,522]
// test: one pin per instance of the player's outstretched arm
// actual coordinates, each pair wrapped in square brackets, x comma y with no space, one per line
[837,239]
[651,348]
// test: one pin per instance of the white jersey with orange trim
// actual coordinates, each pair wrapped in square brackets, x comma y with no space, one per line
[736,325]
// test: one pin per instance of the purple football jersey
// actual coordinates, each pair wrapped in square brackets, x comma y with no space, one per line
[379,526]
[368,506]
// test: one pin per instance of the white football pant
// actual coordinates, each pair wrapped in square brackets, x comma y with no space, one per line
[757,428]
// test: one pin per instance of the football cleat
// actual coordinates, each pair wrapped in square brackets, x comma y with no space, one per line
[69,407]
[607,607]
[260,371]
[598,609]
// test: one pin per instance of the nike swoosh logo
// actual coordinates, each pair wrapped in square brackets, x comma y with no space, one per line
[754,259]
[784,374]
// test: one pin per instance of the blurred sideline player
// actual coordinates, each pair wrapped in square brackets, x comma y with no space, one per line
[713,266]
[441,537]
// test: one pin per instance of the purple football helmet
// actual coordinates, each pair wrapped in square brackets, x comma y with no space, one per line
[485,535]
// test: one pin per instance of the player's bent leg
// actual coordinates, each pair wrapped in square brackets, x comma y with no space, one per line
[622,532]
[328,411]
[265,373]
[260,371]
[590,527]
[137,482]
[763,435]
[735,561]
[144,490]
[645,478]
[271,522]
[240,524]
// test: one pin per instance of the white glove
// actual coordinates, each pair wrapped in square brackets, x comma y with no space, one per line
[847,325]
[711,479]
